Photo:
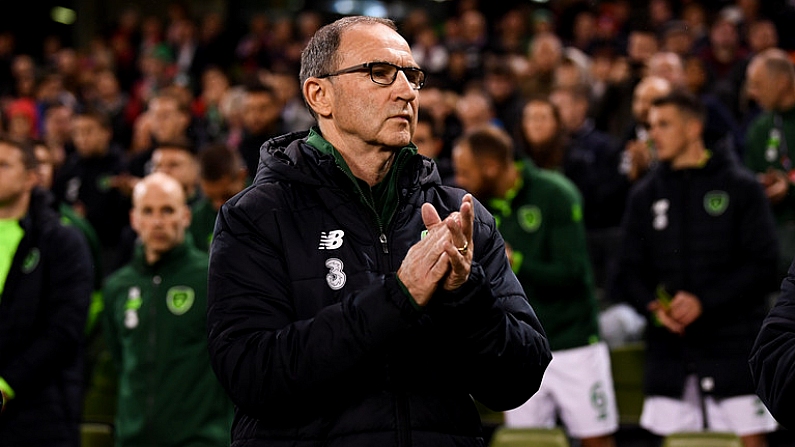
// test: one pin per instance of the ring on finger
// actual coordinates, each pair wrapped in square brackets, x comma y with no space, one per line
[463,250]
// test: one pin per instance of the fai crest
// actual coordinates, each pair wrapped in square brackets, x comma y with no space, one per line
[529,218]
[716,202]
[179,299]
[31,261]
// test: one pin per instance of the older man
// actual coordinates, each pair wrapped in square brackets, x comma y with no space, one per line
[354,300]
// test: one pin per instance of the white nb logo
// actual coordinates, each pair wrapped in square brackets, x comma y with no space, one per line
[331,240]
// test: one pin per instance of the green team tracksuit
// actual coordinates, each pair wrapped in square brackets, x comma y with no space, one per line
[541,219]
[155,324]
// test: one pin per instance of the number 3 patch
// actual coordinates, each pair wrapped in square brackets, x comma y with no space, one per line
[335,276]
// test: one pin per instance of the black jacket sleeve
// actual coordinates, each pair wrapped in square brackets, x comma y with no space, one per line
[490,317]
[773,356]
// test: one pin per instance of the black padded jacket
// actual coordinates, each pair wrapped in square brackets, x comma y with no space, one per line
[773,356]
[708,231]
[43,311]
[314,339]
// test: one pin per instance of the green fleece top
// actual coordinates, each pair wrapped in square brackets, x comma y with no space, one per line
[541,219]
[770,146]
[10,236]
[156,328]
[381,198]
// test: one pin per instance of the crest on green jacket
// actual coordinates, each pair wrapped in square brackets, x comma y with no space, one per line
[716,202]
[179,299]
[104,182]
[31,261]
[529,217]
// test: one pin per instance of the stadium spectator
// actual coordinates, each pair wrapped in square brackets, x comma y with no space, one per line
[543,138]
[770,142]
[261,119]
[86,180]
[591,161]
[222,174]
[638,153]
[179,160]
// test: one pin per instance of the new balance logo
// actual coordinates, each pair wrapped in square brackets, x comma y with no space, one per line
[331,240]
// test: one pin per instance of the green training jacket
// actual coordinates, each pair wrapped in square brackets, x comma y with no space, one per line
[541,219]
[155,324]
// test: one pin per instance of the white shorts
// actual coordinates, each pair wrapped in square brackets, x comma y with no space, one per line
[742,415]
[578,385]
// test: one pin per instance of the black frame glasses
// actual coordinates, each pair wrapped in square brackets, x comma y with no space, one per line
[384,73]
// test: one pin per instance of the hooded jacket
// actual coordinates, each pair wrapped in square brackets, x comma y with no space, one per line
[709,231]
[317,343]
[773,356]
[43,309]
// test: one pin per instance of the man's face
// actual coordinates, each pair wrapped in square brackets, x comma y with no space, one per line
[177,163]
[427,143]
[471,174]
[645,94]
[573,111]
[499,86]
[46,168]
[641,46]
[667,67]
[221,190]
[473,110]
[260,111]
[539,123]
[169,123]
[366,113]
[89,137]
[723,35]
[57,122]
[160,217]
[761,36]
[546,54]
[762,86]
[670,131]
[15,179]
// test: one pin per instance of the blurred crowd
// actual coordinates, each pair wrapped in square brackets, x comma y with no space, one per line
[190,81]
[571,83]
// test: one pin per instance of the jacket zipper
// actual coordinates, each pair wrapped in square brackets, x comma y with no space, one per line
[152,342]
[378,223]
[686,231]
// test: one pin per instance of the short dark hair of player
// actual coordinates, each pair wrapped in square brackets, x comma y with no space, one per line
[685,102]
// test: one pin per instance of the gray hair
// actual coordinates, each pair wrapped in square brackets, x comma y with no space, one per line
[320,55]
[776,62]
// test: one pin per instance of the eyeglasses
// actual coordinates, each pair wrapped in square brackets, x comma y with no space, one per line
[384,73]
